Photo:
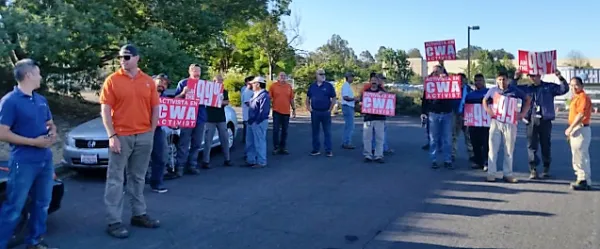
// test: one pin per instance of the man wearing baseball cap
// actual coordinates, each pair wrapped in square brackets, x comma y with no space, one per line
[129,103]
[258,122]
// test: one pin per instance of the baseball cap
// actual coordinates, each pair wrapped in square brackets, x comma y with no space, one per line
[128,49]
[258,80]
[349,74]
[161,76]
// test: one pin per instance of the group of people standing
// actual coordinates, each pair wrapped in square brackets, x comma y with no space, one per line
[444,119]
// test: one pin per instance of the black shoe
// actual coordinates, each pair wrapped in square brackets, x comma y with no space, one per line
[546,173]
[144,221]
[580,185]
[40,245]
[160,190]
[329,154]
[425,147]
[276,152]
[448,165]
[250,165]
[258,166]
[434,165]
[453,158]
[368,159]
[117,230]
[179,171]
[192,171]
[388,152]
[205,165]
[348,146]
[315,153]
[379,160]
[284,152]
[227,163]
[170,176]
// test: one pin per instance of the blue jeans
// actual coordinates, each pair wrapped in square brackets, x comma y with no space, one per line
[440,135]
[34,180]
[385,143]
[318,119]
[348,112]
[157,159]
[256,143]
[189,145]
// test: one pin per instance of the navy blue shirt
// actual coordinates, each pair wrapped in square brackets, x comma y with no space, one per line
[201,110]
[476,96]
[320,96]
[26,115]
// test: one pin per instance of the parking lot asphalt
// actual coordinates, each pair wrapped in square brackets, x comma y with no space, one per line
[304,202]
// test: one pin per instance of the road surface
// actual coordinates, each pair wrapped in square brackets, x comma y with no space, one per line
[304,202]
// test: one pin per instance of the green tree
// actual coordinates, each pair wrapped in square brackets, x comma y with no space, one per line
[414,53]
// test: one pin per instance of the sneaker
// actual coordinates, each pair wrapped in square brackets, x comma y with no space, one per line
[117,230]
[580,185]
[490,178]
[41,245]
[258,166]
[315,153]
[192,171]
[160,190]
[284,152]
[533,175]
[368,159]
[348,146]
[170,176]
[388,152]
[434,165]
[425,147]
[205,165]
[546,173]
[510,179]
[227,163]
[144,221]
[329,154]
[485,168]
[276,152]
[379,160]
[448,165]
[248,164]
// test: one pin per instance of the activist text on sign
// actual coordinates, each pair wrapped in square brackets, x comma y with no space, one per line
[503,128]
[539,118]
[477,121]
[440,50]
[449,87]
[177,112]
[537,63]
[379,103]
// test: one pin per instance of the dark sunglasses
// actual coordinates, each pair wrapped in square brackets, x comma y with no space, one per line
[125,57]
[322,74]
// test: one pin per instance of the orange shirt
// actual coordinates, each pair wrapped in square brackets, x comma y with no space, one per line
[131,101]
[580,103]
[282,95]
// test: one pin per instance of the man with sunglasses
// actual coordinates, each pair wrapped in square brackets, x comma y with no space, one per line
[190,139]
[319,102]
[539,118]
[129,106]
[26,124]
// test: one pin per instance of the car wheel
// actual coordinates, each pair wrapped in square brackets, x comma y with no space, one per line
[231,135]
[21,228]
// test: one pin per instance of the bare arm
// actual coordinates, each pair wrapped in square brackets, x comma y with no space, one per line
[333,100]
[293,104]
[107,119]
[307,103]
[8,136]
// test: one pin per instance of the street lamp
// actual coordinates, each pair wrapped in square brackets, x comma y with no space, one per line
[469,28]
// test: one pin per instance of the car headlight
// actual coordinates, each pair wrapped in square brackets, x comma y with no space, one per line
[70,141]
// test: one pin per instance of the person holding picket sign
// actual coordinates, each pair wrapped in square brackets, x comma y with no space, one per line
[258,122]
[216,120]
[373,128]
[539,119]
[478,123]
[503,126]
[458,125]
[438,70]
[190,139]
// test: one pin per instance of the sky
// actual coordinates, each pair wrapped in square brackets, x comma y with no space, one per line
[513,25]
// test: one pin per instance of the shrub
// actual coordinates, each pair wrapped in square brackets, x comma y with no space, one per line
[235,98]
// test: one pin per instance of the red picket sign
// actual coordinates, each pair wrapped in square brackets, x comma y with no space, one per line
[537,63]
[440,50]
[206,92]
[476,116]
[505,109]
[443,87]
[379,103]
[177,112]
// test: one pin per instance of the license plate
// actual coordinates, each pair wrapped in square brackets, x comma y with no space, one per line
[89,159]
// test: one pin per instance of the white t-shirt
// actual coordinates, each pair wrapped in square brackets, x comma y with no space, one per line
[246,96]
[347,92]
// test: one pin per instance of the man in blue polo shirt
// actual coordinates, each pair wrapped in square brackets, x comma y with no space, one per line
[319,102]
[26,123]
[190,139]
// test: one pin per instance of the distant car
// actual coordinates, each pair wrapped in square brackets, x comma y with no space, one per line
[21,230]
[86,146]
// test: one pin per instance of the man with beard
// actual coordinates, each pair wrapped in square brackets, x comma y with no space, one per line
[190,139]
[539,119]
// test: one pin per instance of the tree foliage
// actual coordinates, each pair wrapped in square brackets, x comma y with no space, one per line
[578,60]
[496,54]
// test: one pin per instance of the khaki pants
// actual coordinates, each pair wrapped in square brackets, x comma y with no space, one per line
[501,133]
[373,128]
[580,144]
[133,162]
